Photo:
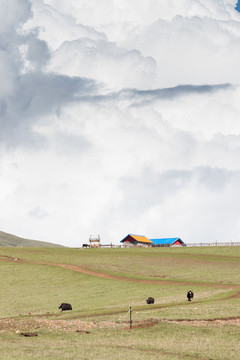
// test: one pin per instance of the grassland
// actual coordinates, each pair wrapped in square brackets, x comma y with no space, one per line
[98,327]
[7,239]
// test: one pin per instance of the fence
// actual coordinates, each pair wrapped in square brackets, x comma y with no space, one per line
[216,243]
[110,245]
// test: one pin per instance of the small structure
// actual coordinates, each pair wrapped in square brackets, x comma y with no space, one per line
[136,240]
[94,241]
[168,242]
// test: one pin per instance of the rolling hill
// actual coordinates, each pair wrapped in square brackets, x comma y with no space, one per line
[16,241]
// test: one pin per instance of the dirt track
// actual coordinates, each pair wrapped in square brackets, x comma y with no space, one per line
[76,324]
[118,278]
[159,282]
[81,326]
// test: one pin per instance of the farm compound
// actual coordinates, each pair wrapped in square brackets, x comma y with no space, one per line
[141,240]
[168,242]
[136,240]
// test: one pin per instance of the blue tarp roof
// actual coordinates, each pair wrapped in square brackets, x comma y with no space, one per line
[165,241]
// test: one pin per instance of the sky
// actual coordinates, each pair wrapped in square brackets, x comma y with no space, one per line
[120,117]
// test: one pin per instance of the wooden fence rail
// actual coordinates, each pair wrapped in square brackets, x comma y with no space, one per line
[216,243]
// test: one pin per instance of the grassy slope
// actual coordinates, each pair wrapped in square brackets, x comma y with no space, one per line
[12,240]
[164,341]
[38,289]
[206,265]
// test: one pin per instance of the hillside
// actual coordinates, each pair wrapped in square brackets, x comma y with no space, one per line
[103,285]
[16,241]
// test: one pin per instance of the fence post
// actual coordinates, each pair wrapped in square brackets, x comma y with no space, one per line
[130,310]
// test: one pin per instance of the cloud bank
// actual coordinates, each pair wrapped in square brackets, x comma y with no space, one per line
[119,118]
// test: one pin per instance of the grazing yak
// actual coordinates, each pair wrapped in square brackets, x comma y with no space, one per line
[65,306]
[150,300]
[190,295]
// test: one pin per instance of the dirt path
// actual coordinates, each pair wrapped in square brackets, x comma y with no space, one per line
[157,282]
[37,322]
[119,278]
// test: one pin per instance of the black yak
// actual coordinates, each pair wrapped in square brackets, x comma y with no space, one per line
[65,306]
[150,300]
[190,295]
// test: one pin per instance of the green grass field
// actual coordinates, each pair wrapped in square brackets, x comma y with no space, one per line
[7,239]
[98,327]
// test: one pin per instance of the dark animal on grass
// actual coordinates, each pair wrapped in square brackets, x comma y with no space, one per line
[85,245]
[65,306]
[29,334]
[190,295]
[150,300]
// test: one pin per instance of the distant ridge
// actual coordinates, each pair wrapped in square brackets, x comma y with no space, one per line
[9,240]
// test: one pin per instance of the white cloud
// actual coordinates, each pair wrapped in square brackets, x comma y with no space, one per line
[119,117]
[156,44]
[105,62]
[95,13]
[13,15]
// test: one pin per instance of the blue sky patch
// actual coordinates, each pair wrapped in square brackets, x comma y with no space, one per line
[238,6]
